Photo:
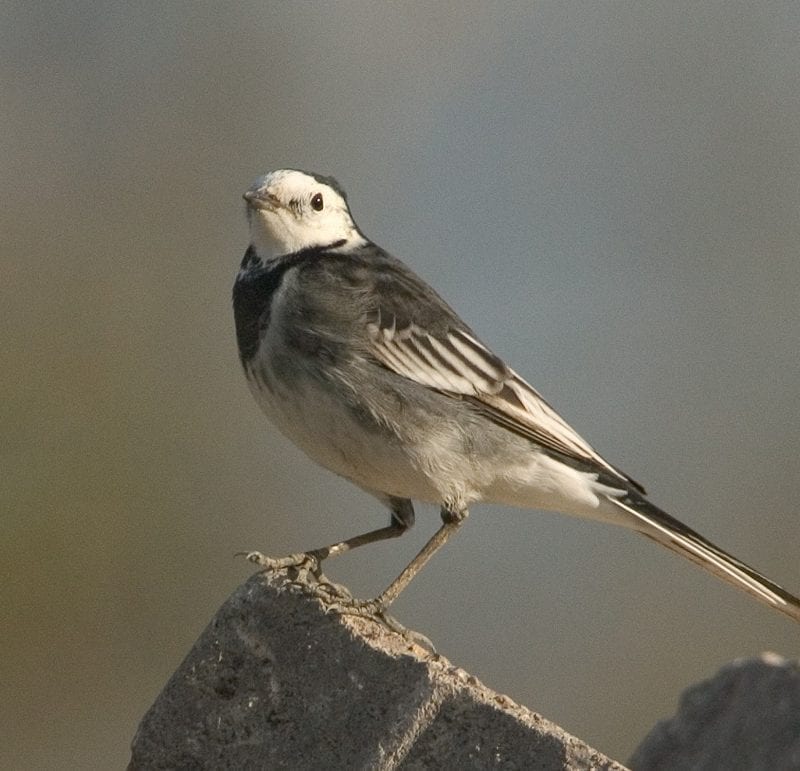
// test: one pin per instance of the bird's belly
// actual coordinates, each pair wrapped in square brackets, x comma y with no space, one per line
[352,446]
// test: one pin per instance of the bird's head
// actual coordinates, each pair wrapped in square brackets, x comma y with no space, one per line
[290,210]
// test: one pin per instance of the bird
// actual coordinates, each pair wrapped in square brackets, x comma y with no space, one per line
[359,362]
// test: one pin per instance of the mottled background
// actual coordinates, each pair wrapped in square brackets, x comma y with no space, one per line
[607,192]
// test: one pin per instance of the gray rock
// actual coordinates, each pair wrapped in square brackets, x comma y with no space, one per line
[276,682]
[746,717]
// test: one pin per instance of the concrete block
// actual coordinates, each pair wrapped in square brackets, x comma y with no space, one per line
[275,681]
[746,717]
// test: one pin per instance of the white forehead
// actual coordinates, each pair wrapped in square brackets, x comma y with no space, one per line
[293,183]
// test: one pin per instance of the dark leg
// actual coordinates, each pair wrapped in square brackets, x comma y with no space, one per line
[452,521]
[402,518]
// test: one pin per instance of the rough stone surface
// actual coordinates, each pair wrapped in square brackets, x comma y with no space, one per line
[746,717]
[276,682]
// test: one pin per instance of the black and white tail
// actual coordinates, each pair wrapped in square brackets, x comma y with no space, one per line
[650,521]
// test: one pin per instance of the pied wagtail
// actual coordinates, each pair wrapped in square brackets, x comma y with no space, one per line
[363,366]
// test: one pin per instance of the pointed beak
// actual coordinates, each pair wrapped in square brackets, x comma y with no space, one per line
[261,199]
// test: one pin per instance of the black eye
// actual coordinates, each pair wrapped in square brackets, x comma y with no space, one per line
[316,202]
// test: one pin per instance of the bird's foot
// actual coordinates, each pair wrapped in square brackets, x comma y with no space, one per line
[303,562]
[374,609]
[304,571]
[343,602]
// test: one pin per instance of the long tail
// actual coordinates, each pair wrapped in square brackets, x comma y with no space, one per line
[650,521]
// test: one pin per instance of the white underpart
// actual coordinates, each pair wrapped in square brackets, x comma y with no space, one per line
[433,470]
[539,481]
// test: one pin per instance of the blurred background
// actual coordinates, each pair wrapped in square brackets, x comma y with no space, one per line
[608,193]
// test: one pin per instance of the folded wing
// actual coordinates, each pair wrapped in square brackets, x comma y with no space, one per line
[457,364]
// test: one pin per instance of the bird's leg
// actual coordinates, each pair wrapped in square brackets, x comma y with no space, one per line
[452,520]
[402,518]
[312,559]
